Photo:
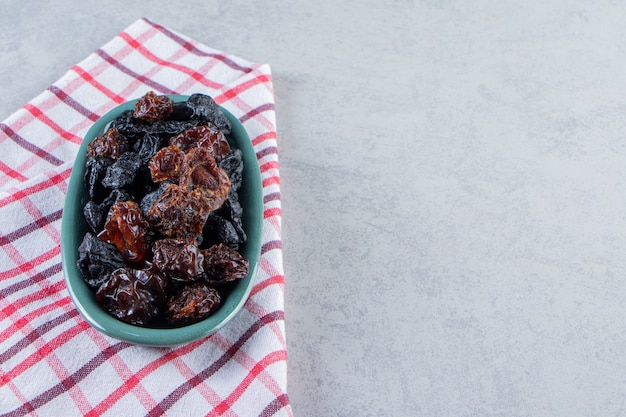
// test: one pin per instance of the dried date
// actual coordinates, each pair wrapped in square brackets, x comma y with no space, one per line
[203,136]
[133,296]
[178,212]
[166,164]
[223,265]
[192,304]
[152,107]
[109,145]
[200,172]
[127,229]
[180,259]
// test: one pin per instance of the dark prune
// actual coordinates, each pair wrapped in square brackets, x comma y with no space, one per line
[142,183]
[151,107]
[128,230]
[128,126]
[109,145]
[225,224]
[95,171]
[148,146]
[135,129]
[206,110]
[180,111]
[95,214]
[232,211]
[148,200]
[133,296]
[172,127]
[166,163]
[220,230]
[179,212]
[123,171]
[191,304]
[203,136]
[223,265]
[179,259]
[232,163]
[97,259]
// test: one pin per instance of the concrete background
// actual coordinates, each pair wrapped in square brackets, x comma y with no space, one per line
[453,188]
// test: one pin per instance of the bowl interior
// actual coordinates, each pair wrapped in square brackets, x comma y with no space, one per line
[74,227]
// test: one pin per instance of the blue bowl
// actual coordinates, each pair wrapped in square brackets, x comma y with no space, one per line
[74,227]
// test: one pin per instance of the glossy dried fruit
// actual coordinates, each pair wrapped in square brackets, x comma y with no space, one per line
[151,107]
[133,296]
[97,260]
[206,110]
[128,230]
[96,214]
[178,212]
[223,265]
[207,136]
[166,164]
[109,145]
[150,198]
[192,304]
[220,230]
[181,111]
[200,172]
[148,146]
[122,172]
[232,164]
[134,129]
[95,171]
[180,259]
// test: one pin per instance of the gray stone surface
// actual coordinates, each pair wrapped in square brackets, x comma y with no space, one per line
[453,187]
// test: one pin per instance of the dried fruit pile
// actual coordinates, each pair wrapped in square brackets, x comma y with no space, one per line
[163,212]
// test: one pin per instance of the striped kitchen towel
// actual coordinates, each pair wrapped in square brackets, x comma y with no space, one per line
[52,363]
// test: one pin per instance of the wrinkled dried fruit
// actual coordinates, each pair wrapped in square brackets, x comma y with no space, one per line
[127,229]
[122,172]
[150,198]
[148,146]
[206,110]
[220,230]
[180,259]
[97,259]
[207,136]
[133,296]
[166,163]
[224,225]
[109,145]
[95,171]
[179,212]
[193,303]
[134,129]
[232,163]
[152,107]
[200,172]
[96,214]
[223,264]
